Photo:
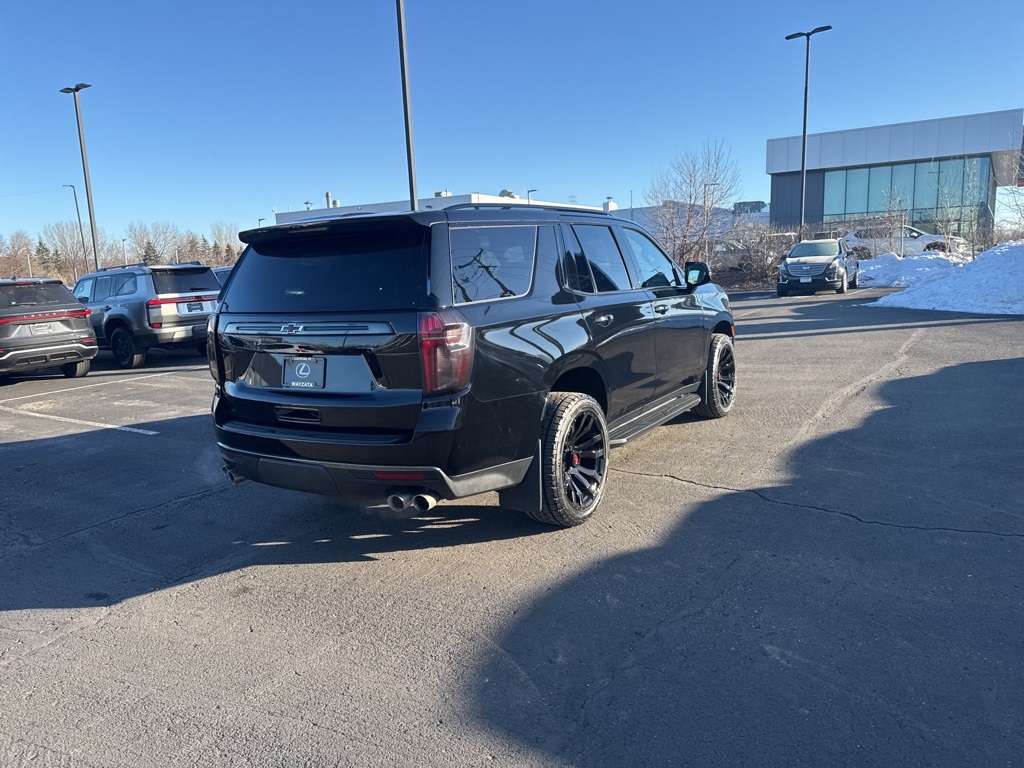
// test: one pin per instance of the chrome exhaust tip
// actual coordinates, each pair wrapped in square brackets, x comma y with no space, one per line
[424,502]
[232,475]
[399,501]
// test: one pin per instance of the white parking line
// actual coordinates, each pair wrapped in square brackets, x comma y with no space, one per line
[66,420]
[40,395]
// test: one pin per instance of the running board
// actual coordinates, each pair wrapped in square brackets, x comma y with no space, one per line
[648,420]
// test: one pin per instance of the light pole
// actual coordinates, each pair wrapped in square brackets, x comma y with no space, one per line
[405,100]
[260,222]
[124,250]
[707,215]
[528,193]
[85,167]
[803,151]
[78,213]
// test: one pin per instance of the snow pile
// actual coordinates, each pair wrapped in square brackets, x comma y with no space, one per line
[890,271]
[991,284]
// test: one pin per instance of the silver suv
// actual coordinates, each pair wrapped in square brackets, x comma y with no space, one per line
[138,307]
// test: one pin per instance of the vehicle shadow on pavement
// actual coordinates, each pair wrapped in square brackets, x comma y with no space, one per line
[815,316]
[847,617]
[101,516]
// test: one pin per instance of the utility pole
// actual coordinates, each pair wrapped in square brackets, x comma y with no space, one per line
[405,98]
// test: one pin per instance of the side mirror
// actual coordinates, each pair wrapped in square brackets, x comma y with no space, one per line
[82,299]
[697,273]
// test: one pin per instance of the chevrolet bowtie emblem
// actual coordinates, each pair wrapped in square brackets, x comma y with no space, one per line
[291,328]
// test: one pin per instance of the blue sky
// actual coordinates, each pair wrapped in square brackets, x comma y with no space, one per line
[204,112]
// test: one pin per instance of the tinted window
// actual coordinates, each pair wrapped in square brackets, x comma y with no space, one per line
[363,269]
[33,295]
[185,280]
[604,258]
[655,269]
[829,248]
[577,271]
[492,262]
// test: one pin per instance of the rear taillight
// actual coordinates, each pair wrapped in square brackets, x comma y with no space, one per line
[46,316]
[211,347]
[446,352]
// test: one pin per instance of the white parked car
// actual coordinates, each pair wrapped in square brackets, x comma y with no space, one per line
[878,240]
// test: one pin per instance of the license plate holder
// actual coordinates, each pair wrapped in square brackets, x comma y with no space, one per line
[194,306]
[305,372]
[41,328]
[805,279]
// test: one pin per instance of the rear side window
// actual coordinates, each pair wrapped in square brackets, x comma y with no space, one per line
[604,258]
[185,280]
[364,269]
[492,262]
[34,295]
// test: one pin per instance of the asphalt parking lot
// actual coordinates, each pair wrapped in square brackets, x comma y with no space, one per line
[829,576]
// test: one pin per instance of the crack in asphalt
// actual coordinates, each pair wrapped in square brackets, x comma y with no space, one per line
[849,515]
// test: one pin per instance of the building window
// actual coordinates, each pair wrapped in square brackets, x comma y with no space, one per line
[926,185]
[879,188]
[835,195]
[857,191]
[902,195]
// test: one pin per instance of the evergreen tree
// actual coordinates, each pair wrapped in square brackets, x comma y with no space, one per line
[149,254]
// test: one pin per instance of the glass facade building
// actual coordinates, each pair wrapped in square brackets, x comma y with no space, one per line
[940,174]
[956,191]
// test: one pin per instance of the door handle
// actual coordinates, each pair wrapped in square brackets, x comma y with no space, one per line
[604,319]
[661,309]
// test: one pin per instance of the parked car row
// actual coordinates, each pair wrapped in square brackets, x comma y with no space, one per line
[904,241]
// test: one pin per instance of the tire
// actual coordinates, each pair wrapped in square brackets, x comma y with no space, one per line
[718,387]
[201,349]
[936,247]
[855,283]
[574,459]
[843,285]
[125,349]
[76,370]
[781,293]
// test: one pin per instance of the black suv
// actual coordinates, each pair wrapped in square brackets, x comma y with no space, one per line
[441,354]
[42,326]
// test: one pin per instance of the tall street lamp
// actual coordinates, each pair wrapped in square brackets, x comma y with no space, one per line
[124,250]
[78,213]
[803,151]
[707,216]
[400,4]
[528,193]
[85,167]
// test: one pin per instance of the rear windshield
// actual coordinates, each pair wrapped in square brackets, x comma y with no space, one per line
[814,249]
[362,269]
[34,295]
[185,280]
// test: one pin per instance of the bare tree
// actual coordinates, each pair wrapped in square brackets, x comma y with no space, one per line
[226,245]
[64,240]
[162,236]
[764,246]
[684,198]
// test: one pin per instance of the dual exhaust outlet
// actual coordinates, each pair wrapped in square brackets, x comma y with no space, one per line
[421,502]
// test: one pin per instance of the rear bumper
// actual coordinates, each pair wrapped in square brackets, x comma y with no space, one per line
[173,336]
[45,356]
[339,479]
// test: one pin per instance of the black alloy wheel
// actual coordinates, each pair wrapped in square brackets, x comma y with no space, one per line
[718,389]
[574,459]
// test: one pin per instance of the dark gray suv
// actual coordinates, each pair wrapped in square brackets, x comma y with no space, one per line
[138,307]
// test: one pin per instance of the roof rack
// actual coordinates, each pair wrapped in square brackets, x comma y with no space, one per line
[122,266]
[539,206]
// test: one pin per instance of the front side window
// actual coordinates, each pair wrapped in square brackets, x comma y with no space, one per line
[492,262]
[603,257]
[655,269]
[83,291]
